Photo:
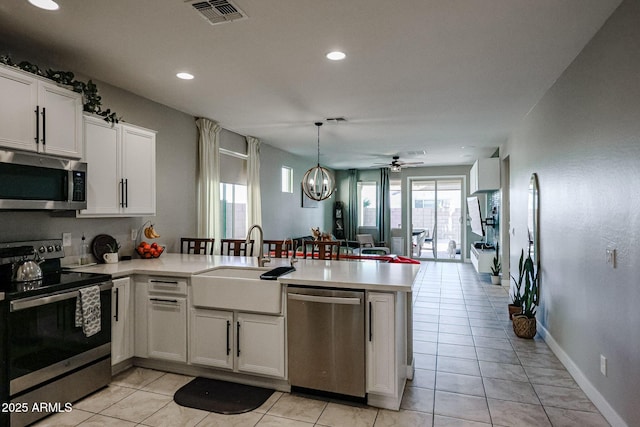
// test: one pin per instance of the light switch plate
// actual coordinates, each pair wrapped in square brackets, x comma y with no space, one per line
[611,257]
[66,239]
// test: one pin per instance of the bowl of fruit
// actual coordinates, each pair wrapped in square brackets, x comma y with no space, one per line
[149,250]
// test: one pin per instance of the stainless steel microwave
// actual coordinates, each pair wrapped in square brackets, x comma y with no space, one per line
[33,181]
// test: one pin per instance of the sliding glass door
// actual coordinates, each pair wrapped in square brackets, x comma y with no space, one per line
[436,216]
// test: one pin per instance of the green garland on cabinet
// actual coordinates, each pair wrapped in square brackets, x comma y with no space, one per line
[92,101]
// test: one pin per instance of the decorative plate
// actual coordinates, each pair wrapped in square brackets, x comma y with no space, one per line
[100,246]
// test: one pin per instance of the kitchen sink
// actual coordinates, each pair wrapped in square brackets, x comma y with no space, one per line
[237,289]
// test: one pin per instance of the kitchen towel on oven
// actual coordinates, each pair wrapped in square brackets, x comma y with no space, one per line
[88,310]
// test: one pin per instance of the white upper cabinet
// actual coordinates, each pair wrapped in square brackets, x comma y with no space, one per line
[39,116]
[121,169]
[484,175]
[139,170]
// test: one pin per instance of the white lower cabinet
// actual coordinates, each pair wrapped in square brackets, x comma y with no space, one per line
[242,342]
[167,337]
[161,318]
[381,343]
[121,320]
[260,344]
[211,338]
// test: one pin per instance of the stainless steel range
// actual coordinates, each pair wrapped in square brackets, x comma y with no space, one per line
[47,362]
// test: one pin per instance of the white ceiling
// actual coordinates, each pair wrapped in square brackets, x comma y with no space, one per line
[434,75]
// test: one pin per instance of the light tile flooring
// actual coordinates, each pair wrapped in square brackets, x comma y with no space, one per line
[471,371]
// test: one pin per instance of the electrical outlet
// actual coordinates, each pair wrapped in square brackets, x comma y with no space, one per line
[603,365]
[611,257]
[66,239]
[134,234]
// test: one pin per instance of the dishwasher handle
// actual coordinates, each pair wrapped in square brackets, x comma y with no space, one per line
[324,300]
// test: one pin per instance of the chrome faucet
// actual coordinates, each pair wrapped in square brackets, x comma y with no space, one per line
[261,258]
[292,259]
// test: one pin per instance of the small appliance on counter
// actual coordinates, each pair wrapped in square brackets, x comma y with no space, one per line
[45,356]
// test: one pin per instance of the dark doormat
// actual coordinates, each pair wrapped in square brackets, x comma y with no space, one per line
[221,396]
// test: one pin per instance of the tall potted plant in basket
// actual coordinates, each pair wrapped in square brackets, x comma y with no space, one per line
[524,324]
[516,297]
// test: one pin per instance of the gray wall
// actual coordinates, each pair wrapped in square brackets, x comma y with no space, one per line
[583,141]
[176,151]
[282,213]
[176,175]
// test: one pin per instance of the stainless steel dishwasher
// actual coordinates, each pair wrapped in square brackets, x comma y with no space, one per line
[326,340]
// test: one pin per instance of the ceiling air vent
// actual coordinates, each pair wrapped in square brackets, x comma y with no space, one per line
[218,11]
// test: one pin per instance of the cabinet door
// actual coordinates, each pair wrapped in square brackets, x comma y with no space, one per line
[121,321]
[102,153]
[167,323]
[381,350]
[60,121]
[260,344]
[211,338]
[139,170]
[17,110]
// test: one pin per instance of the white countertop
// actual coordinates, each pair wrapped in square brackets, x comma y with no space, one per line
[370,275]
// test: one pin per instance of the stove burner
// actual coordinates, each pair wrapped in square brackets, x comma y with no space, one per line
[29,285]
[54,278]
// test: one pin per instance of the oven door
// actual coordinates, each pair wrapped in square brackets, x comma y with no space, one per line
[44,343]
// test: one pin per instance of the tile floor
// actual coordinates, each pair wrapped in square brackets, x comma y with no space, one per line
[471,371]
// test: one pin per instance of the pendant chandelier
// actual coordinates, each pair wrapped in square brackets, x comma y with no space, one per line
[317,183]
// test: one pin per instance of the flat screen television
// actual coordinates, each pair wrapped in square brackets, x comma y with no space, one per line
[475,215]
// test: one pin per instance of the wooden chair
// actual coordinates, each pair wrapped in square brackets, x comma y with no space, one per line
[278,248]
[198,246]
[236,247]
[322,250]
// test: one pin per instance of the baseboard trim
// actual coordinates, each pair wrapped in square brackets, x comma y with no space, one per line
[598,400]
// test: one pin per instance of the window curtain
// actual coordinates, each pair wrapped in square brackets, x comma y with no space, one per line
[384,209]
[208,179]
[254,200]
[353,205]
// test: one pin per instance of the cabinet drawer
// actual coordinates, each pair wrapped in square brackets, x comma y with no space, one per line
[168,285]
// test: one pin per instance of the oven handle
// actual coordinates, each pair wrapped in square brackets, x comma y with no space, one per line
[49,299]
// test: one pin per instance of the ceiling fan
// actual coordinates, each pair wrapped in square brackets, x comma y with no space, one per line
[397,164]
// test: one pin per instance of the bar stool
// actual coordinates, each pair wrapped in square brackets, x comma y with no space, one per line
[198,246]
[322,250]
[278,248]
[236,247]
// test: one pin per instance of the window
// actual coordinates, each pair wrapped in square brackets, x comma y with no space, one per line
[287,179]
[233,185]
[233,199]
[367,204]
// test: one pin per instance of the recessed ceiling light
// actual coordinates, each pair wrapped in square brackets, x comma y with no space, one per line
[184,76]
[336,55]
[45,4]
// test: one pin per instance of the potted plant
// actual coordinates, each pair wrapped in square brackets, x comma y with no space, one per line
[495,271]
[516,298]
[111,256]
[524,324]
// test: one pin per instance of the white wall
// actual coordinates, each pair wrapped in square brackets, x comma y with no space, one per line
[583,141]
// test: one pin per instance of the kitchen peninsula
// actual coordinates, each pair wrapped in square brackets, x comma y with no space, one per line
[174,314]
